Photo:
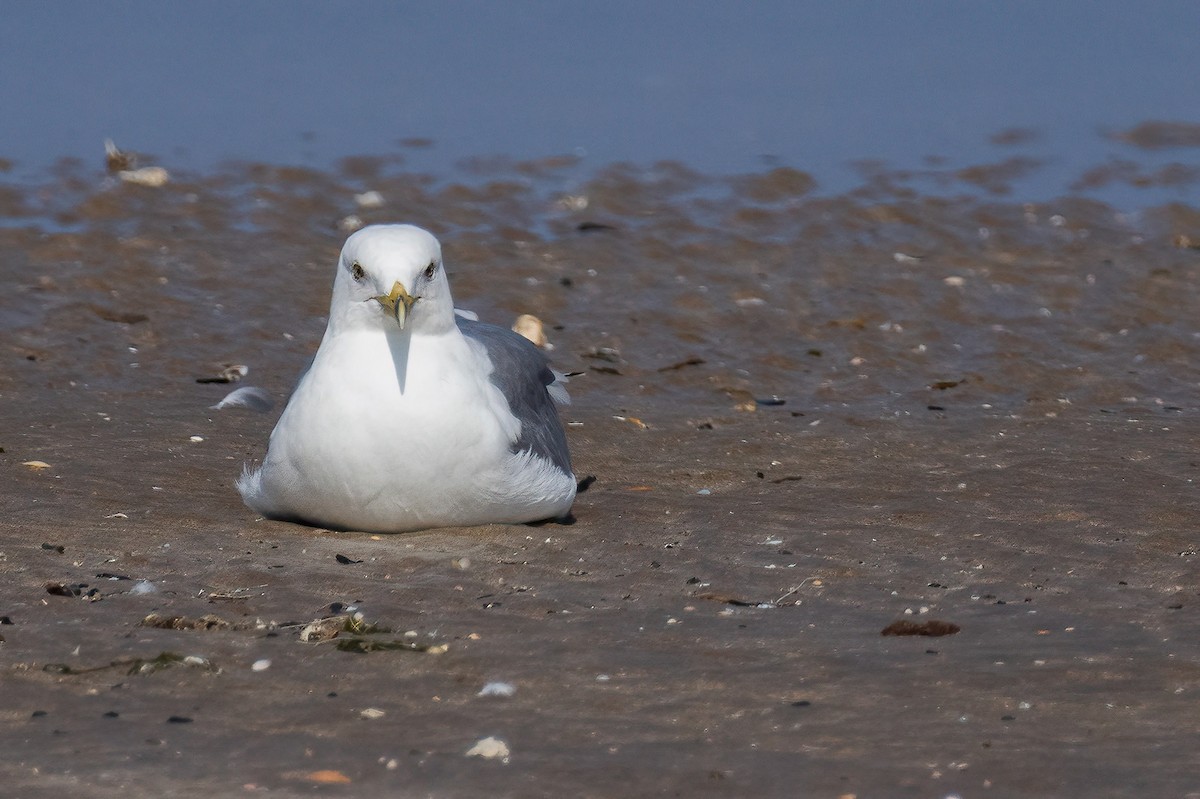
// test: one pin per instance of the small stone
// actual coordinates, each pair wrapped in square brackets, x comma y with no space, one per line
[260,665]
[372,713]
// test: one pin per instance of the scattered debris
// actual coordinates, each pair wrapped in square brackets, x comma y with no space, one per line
[692,361]
[355,634]
[730,599]
[37,466]
[205,622]
[80,590]
[593,227]
[230,373]
[633,420]
[932,628]
[321,777]
[322,629]
[161,661]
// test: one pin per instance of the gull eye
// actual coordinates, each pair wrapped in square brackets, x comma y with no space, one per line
[356,271]
[429,270]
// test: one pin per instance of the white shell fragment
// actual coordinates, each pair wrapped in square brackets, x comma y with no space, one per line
[531,328]
[152,176]
[372,713]
[252,397]
[369,199]
[489,748]
[497,689]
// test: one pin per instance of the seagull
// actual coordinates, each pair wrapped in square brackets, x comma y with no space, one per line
[411,415]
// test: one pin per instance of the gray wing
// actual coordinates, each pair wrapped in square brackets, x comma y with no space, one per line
[523,377]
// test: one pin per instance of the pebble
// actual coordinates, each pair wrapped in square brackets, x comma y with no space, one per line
[372,713]
[261,665]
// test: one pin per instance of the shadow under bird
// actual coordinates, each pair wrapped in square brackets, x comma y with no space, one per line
[410,415]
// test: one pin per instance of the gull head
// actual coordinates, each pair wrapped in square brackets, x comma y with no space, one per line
[391,276]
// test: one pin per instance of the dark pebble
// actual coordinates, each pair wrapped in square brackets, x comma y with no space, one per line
[37,714]
[179,720]
[112,714]
[802,703]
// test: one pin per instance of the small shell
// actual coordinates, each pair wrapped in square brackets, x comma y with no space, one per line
[489,747]
[530,327]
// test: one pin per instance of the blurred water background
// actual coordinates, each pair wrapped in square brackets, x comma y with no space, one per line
[838,90]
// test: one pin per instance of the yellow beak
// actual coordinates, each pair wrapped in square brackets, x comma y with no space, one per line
[397,302]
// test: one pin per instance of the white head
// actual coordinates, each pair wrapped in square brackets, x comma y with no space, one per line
[391,277]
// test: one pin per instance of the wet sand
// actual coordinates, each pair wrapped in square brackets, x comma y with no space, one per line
[807,417]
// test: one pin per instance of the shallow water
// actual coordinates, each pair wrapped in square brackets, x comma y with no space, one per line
[1041,92]
[807,415]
